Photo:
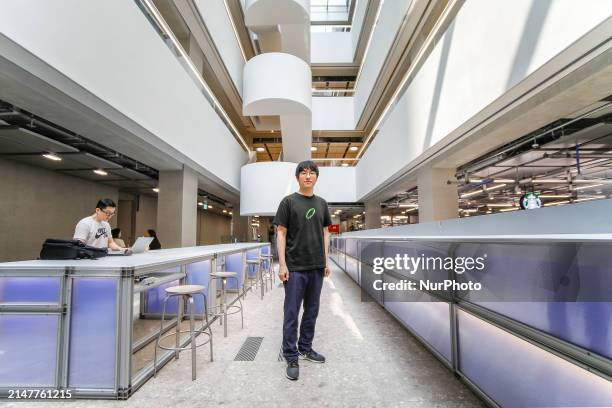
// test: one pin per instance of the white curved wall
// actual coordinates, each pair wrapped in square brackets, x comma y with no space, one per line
[284,23]
[263,185]
[279,83]
[276,83]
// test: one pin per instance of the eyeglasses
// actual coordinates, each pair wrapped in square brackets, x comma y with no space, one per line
[108,213]
[308,173]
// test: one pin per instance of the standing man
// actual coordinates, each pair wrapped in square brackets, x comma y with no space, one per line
[302,242]
[94,230]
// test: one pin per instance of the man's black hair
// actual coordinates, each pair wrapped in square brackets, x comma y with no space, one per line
[106,202]
[306,165]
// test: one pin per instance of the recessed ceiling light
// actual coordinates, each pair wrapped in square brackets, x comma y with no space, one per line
[200,203]
[260,149]
[210,206]
[313,148]
[224,211]
[230,213]
[52,156]
[156,189]
[344,164]
[100,172]
[353,148]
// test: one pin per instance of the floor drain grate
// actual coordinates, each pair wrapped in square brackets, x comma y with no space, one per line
[249,349]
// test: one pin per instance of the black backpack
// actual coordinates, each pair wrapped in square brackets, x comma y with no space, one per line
[69,249]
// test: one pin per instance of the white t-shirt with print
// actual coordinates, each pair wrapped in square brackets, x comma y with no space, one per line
[92,232]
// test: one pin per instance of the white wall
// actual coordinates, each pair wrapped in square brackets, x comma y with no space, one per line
[38,204]
[335,47]
[489,48]
[219,26]
[361,7]
[111,50]
[389,21]
[332,113]
[337,184]
[265,184]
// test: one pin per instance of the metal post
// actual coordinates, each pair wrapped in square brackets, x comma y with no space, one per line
[193,341]
[179,319]
[224,306]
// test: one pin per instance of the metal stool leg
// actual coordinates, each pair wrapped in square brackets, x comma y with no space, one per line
[192,334]
[266,274]
[270,273]
[221,304]
[205,319]
[272,276]
[241,307]
[179,319]
[224,306]
[161,329]
[261,282]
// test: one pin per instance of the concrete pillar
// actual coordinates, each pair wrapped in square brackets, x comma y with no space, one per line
[372,214]
[177,208]
[437,199]
[240,225]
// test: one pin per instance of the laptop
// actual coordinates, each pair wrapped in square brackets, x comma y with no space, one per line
[140,246]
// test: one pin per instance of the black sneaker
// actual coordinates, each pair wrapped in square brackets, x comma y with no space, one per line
[293,370]
[312,356]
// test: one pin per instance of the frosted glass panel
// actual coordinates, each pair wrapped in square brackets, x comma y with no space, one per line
[516,373]
[233,263]
[424,314]
[155,299]
[352,268]
[93,333]
[155,296]
[30,289]
[198,274]
[28,349]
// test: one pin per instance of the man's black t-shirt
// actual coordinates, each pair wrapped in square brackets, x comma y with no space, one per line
[304,217]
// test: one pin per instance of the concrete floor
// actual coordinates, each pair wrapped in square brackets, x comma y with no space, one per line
[371,362]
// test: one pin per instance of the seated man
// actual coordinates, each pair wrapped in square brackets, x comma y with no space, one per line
[94,230]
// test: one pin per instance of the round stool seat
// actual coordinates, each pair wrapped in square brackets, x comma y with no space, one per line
[185,289]
[224,274]
[252,261]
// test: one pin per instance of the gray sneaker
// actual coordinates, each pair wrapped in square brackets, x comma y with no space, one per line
[312,356]
[293,370]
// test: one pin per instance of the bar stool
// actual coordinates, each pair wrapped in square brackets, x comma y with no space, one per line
[223,307]
[251,263]
[268,270]
[182,292]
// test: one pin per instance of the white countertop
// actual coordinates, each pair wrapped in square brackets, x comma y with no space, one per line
[136,261]
[485,238]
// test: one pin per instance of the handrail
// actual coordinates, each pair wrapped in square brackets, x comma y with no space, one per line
[520,238]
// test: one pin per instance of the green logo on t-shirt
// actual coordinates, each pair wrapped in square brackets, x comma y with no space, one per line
[310,213]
